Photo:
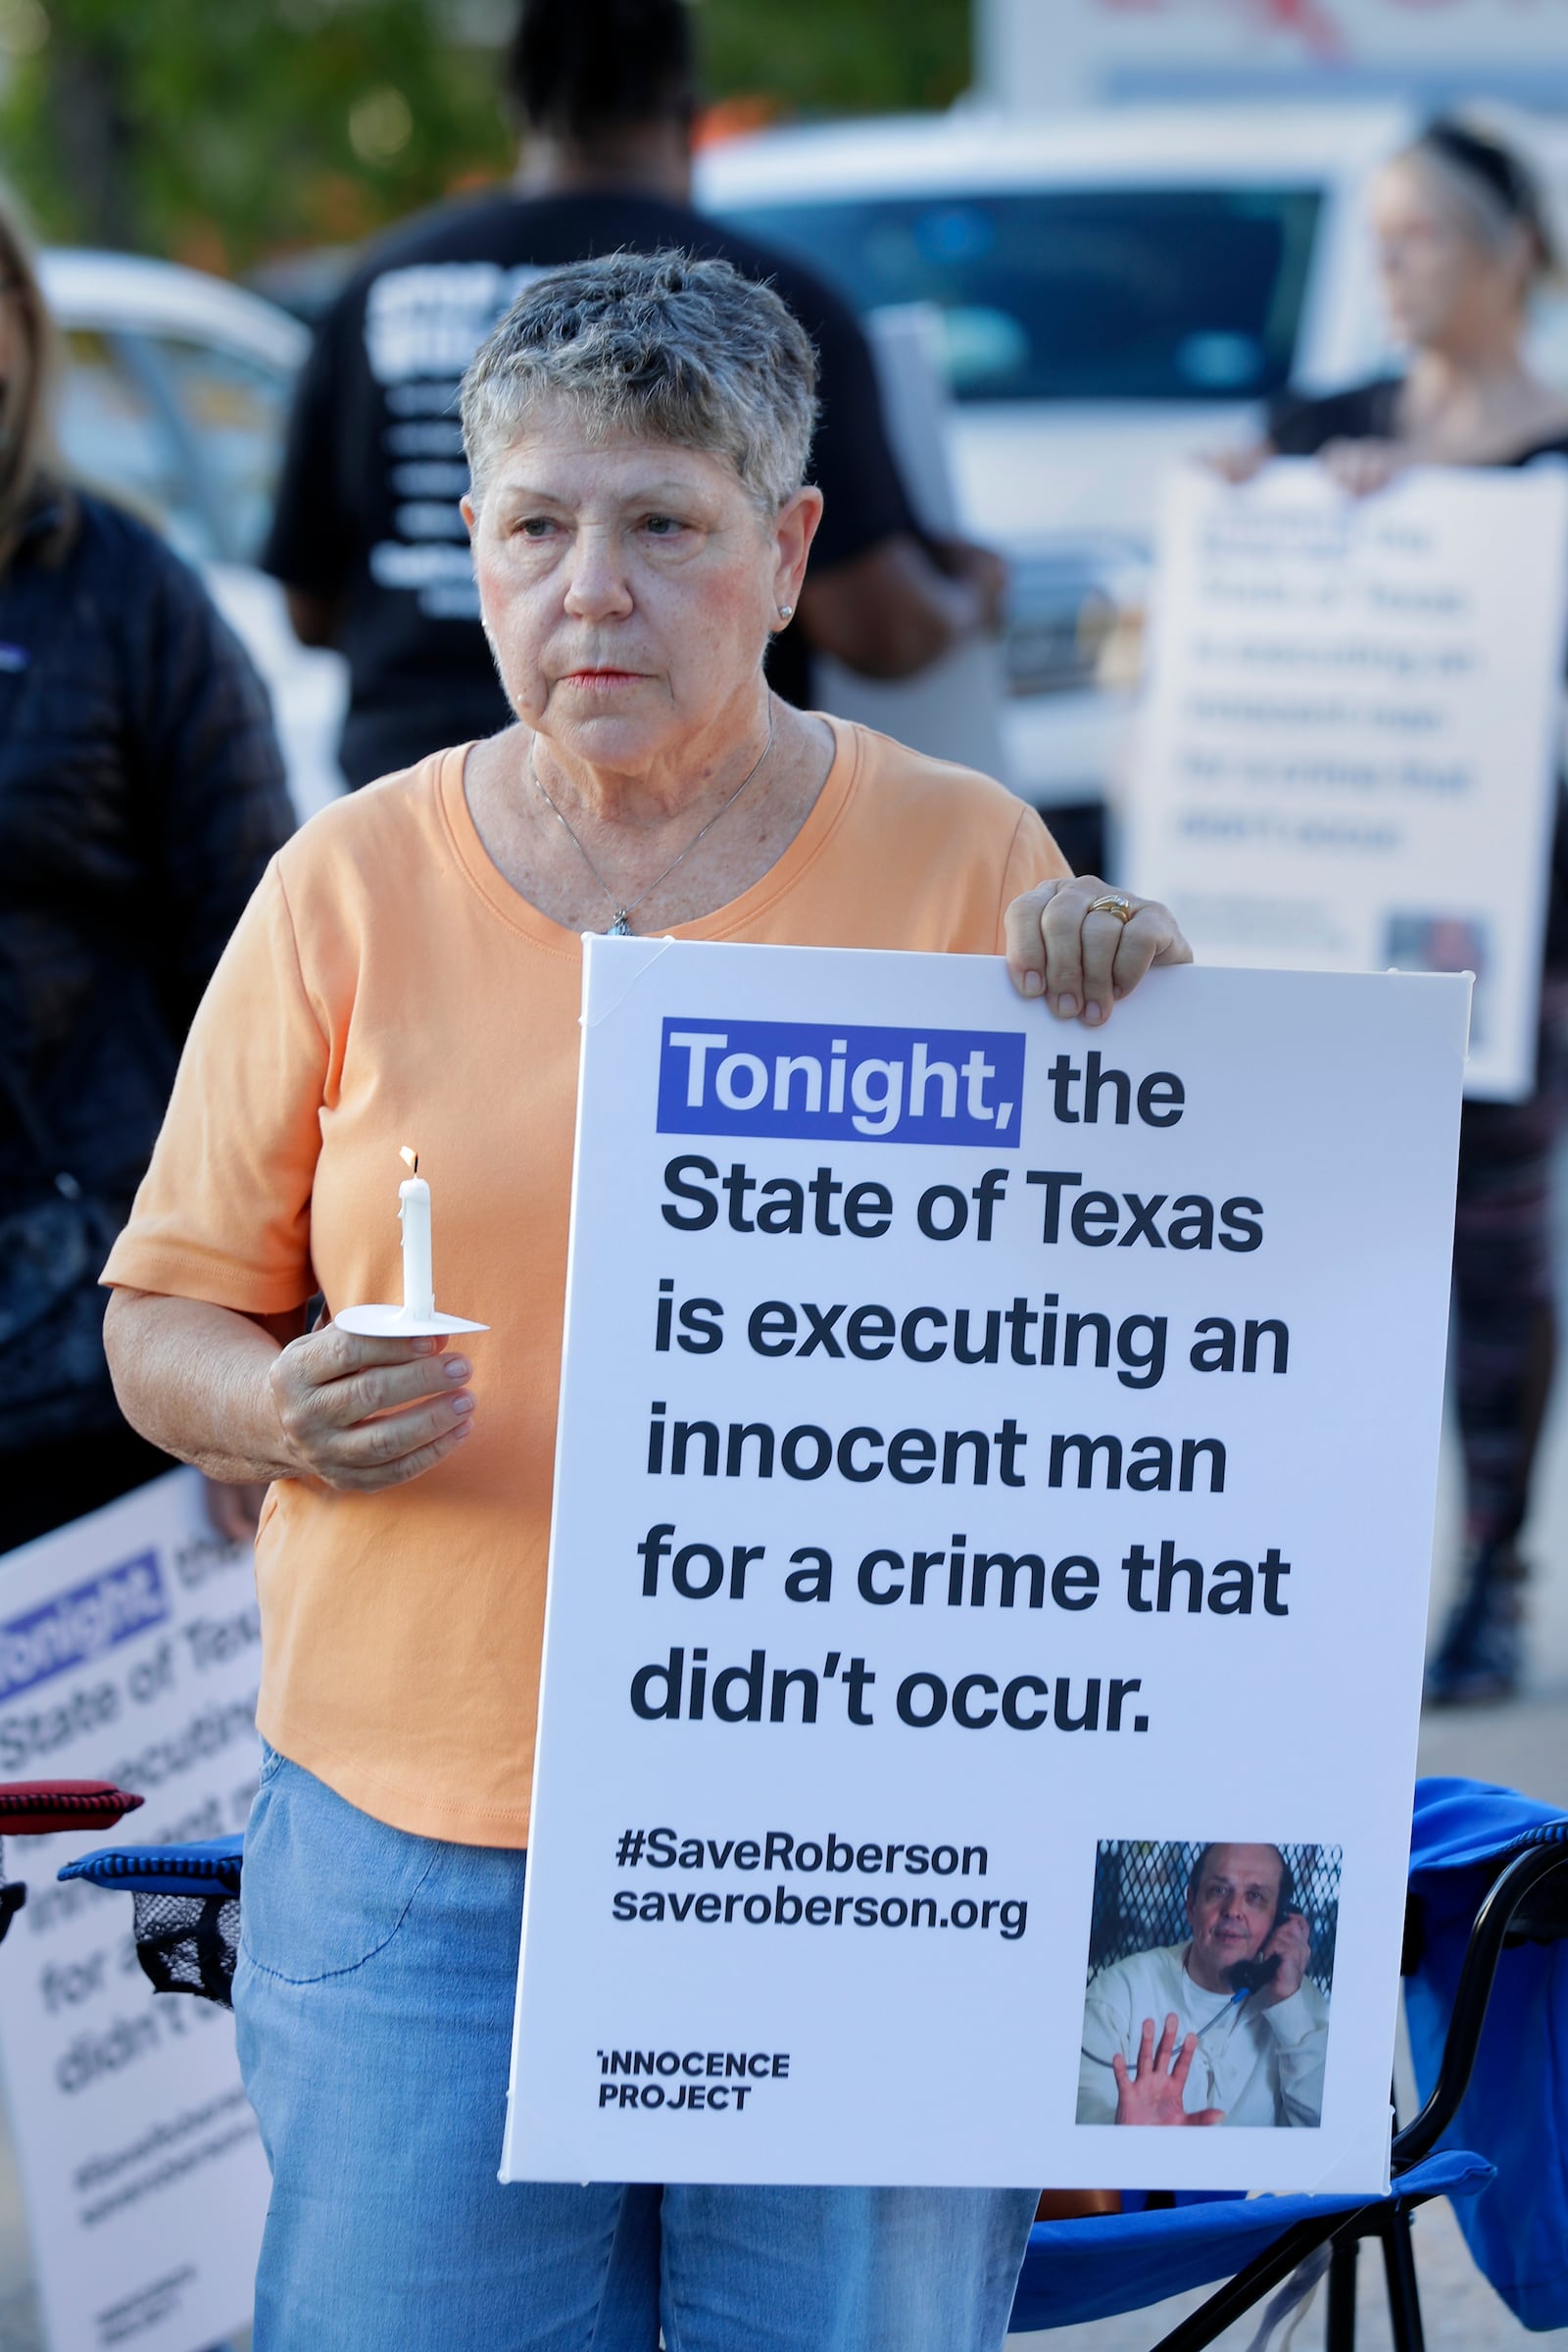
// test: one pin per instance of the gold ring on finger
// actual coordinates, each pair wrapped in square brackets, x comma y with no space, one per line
[1113,904]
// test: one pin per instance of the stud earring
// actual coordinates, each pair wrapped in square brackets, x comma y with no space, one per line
[785,610]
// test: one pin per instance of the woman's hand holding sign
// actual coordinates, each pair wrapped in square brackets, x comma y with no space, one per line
[1153,2092]
[1083,946]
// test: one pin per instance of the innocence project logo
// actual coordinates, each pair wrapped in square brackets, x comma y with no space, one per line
[811,1079]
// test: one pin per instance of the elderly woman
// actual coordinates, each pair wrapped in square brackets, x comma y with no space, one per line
[1463,240]
[637,432]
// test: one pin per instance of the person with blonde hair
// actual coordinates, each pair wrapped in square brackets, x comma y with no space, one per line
[1462,239]
[141,794]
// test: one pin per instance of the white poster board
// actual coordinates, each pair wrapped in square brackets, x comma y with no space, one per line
[129,1651]
[1348,757]
[865,1623]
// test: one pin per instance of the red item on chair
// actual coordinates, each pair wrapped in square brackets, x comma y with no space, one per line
[35,1808]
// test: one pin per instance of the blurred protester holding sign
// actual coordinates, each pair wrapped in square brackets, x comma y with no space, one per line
[638,429]
[1462,239]
[141,794]
[367,540]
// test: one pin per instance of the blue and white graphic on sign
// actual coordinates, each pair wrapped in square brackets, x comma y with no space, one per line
[803,1078]
[81,1624]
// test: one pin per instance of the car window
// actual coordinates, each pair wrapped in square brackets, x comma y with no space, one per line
[236,408]
[117,436]
[1187,294]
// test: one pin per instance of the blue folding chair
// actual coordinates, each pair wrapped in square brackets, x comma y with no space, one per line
[186,1913]
[1470,1840]
[1489,1873]
[1489,1879]
[187,1909]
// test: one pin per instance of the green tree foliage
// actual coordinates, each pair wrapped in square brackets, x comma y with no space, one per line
[219,132]
[216,130]
[837,57]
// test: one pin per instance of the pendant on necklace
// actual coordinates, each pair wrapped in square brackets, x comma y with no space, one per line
[620,928]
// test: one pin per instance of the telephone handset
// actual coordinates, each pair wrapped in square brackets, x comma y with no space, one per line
[1251,1975]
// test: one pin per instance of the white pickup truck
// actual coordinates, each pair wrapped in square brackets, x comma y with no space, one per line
[1117,290]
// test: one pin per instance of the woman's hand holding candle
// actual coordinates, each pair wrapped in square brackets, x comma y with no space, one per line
[362,1414]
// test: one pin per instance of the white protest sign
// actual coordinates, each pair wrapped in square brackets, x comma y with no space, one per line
[1349,750]
[128,1651]
[994,1462]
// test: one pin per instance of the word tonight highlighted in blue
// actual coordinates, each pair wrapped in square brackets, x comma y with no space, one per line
[804,1078]
[81,1624]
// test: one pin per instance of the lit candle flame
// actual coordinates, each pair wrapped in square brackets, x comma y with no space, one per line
[412,1158]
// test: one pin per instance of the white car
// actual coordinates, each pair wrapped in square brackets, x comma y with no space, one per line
[175,399]
[1117,292]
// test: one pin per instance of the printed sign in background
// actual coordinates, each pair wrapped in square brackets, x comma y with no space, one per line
[1348,751]
[129,1651]
[932,1509]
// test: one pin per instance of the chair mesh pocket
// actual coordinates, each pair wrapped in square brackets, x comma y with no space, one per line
[188,1942]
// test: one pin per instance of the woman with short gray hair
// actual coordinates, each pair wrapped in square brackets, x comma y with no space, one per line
[713,363]
[637,431]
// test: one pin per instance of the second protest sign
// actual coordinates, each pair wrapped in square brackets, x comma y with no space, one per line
[1351,741]
[995,1462]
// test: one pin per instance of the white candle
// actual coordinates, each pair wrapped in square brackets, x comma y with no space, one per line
[414,1210]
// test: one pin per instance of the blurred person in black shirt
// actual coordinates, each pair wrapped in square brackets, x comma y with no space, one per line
[367,540]
[141,794]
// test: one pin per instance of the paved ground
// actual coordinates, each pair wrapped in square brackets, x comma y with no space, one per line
[1524,1744]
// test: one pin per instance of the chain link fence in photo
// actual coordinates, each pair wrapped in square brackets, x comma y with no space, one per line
[1141,1890]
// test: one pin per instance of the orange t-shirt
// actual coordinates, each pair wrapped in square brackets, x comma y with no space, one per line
[387,986]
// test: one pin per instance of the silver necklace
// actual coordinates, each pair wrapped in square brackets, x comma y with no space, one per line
[621,917]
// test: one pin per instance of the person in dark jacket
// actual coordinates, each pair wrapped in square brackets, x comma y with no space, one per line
[141,794]
[366,537]
[1463,240]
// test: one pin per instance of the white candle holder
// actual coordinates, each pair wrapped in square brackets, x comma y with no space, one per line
[398,1323]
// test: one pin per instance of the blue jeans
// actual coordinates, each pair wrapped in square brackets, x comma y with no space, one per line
[374,2002]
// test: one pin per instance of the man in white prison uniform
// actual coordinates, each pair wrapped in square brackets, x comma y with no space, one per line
[1224,2029]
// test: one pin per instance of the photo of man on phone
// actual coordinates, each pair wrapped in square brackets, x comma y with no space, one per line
[1225,2026]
